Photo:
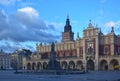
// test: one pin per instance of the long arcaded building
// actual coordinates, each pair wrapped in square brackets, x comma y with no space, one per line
[94,51]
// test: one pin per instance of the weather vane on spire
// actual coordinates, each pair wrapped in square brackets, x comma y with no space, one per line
[67,16]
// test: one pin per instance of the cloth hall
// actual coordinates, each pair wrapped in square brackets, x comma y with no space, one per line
[94,51]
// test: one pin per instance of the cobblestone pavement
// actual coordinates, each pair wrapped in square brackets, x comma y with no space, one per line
[91,76]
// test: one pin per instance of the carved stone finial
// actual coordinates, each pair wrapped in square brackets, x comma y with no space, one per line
[41,44]
[45,43]
[77,34]
[1,50]
[36,44]
[112,29]
[90,24]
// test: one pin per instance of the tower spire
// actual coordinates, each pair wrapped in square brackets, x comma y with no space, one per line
[67,27]
[67,35]
[100,31]
[67,16]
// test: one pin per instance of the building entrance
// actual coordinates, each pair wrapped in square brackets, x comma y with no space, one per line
[1,67]
[90,65]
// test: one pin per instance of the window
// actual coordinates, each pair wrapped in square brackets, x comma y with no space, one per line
[118,49]
[90,48]
[106,50]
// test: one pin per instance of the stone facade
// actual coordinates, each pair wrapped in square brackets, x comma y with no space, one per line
[4,61]
[94,51]
[16,58]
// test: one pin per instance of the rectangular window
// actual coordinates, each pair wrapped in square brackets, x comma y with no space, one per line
[118,49]
[106,50]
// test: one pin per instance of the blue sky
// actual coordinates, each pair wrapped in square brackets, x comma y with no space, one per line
[23,23]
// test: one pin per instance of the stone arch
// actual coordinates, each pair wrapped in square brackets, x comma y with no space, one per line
[28,66]
[87,58]
[44,65]
[90,65]
[33,66]
[64,65]
[103,65]
[1,67]
[113,63]
[91,57]
[39,66]
[71,65]
[79,65]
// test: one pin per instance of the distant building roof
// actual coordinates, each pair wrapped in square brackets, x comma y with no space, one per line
[23,52]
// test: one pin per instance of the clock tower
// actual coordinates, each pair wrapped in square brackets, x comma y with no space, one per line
[67,35]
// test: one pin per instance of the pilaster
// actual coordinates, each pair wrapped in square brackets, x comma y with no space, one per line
[84,56]
[97,53]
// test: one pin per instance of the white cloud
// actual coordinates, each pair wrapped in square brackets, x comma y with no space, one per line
[55,28]
[26,25]
[8,2]
[10,46]
[57,25]
[114,24]
[29,11]
[110,24]
[117,24]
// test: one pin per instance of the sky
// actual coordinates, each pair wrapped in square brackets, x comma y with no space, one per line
[23,23]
